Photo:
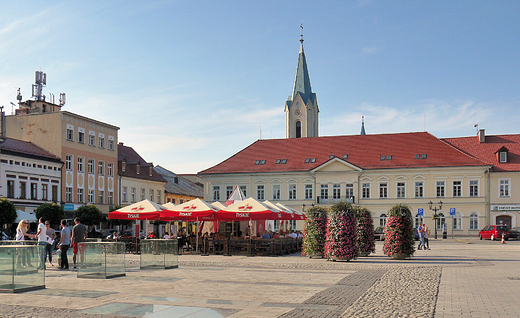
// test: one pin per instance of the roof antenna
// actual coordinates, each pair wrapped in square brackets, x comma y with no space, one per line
[476,126]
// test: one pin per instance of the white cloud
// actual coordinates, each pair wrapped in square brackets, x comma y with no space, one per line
[369,50]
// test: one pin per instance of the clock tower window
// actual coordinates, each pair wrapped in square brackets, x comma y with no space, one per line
[298,129]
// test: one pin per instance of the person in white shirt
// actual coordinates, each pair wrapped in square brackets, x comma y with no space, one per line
[42,241]
[166,236]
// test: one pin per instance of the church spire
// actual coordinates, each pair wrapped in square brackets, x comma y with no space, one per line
[302,81]
[363,126]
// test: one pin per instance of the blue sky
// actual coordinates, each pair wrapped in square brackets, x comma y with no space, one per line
[190,83]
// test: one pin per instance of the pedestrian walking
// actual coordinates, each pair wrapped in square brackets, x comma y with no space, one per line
[421,237]
[42,242]
[49,248]
[426,233]
[64,244]
[23,260]
[79,234]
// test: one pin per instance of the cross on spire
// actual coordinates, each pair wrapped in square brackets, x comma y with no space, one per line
[301,33]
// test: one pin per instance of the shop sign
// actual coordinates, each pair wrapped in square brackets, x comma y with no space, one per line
[505,208]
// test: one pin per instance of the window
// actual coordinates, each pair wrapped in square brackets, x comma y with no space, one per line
[70,134]
[473,188]
[457,222]
[101,197]
[110,145]
[418,220]
[110,169]
[308,192]
[292,192]
[138,169]
[110,197]
[151,195]
[91,140]
[10,188]
[401,189]
[336,192]
[276,192]
[229,190]
[55,193]
[503,156]
[504,188]
[457,189]
[101,168]
[123,166]
[68,194]
[132,195]
[441,193]
[260,193]
[349,191]
[419,189]
[45,194]
[80,195]
[101,142]
[383,190]
[34,191]
[440,222]
[382,220]
[159,196]
[23,190]
[81,137]
[91,166]
[298,129]
[244,190]
[91,196]
[68,162]
[365,190]
[125,193]
[80,164]
[143,194]
[473,221]
[324,193]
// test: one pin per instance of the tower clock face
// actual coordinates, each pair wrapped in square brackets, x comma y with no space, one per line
[298,112]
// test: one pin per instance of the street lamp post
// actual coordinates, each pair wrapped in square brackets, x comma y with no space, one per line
[435,216]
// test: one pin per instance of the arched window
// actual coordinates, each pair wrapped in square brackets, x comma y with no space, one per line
[457,222]
[418,221]
[298,129]
[473,221]
[382,220]
[441,220]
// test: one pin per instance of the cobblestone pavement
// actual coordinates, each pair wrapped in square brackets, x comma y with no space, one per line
[454,279]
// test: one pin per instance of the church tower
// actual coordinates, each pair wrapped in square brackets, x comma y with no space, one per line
[301,108]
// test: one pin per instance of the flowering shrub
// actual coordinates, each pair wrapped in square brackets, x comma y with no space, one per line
[399,231]
[365,226]
[341,241]
[314,232]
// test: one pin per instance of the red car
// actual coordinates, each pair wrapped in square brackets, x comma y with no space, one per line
[494,232]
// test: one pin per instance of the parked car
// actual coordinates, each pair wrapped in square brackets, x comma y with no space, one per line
[110,234]
[379,233]
[95,234]
[514,232]
[494,232]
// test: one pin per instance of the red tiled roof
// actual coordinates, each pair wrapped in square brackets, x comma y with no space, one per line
[25,148]
[486,151]
[363,151]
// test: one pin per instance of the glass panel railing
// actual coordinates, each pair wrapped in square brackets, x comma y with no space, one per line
[101,259]
[19,268]
[157,253]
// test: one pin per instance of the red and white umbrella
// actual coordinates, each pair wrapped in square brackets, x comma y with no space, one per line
[287,214]
[236,196]
[168,205]
[249,209]
[143,210]
[192,210]
[296,215]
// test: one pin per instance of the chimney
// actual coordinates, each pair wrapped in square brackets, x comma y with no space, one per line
[2,121]
[482,135]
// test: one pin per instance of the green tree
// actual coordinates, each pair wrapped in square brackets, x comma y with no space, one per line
[89,214]
[51,212]
[8,213]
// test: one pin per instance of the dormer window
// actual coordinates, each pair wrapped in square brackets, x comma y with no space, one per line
[150,171]
[503,156]
[123,166]
[138,169]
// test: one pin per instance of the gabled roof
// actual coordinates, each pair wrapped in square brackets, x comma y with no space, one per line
[486,151]
[177,184]
[25,149]
[132,160]
[363,151]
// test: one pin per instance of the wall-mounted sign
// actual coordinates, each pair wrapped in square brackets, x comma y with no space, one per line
[505,207]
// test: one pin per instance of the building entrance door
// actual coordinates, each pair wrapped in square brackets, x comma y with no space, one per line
[504,220]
